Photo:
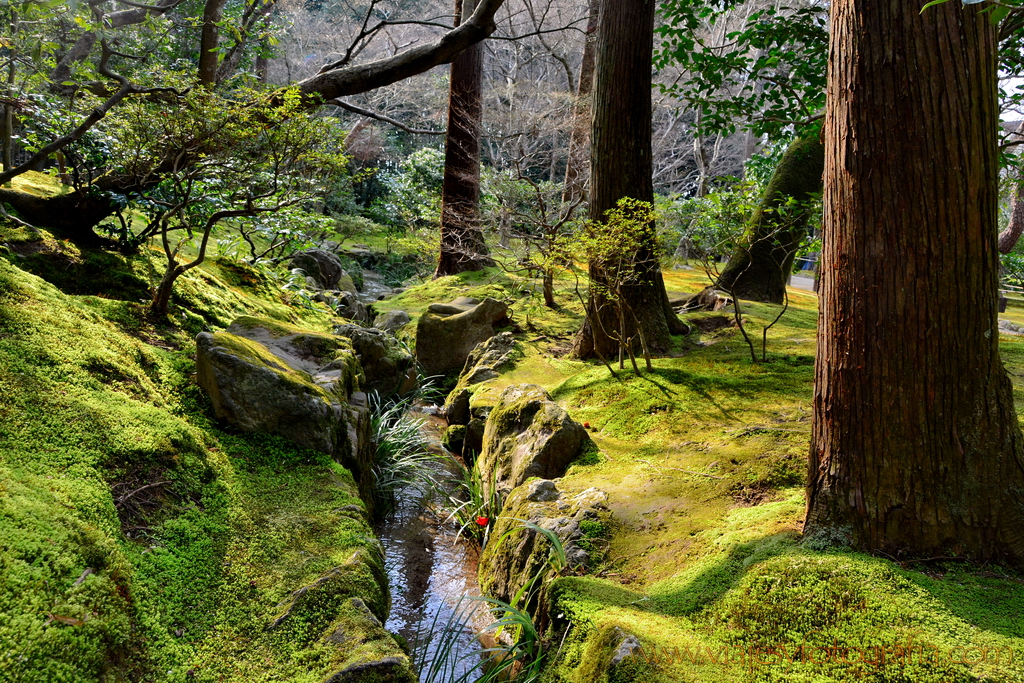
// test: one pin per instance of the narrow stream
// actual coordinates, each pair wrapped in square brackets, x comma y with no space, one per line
[373,287]
[429,568]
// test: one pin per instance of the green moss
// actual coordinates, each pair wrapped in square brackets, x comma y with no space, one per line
[454,437]
[139,540]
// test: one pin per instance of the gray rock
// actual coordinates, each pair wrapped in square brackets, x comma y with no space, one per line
[519,553]
[262,378]
[528,435]
[265,376]
[323,267]
[485,362]
[387,367]
[628,648]
[1009,327]
[392,321]
[447,333]
[349,306]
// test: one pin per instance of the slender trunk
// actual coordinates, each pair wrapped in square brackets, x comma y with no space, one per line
[761,264]
[549,288]
[621,166]
[162,296]
[462,240]
[916,448]
[213,12]
[7,138]
[577,163]
[7,130]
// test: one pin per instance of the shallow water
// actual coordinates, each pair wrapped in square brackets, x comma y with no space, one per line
[373,287]
[429,570]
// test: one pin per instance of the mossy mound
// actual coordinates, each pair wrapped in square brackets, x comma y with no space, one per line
[140,541]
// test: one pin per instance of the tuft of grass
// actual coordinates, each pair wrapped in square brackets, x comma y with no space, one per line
[401,459]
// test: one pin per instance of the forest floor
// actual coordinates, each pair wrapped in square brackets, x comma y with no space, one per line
[703,460]
[704,463]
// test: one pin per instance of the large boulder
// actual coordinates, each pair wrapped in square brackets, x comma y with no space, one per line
[528,435]
[392,321]
[485,362]
[266,376]
[447,333]
[323,267]
[387,367]
[519,553]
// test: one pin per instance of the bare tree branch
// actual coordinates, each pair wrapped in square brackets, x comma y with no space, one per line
[362,77]
[381,117]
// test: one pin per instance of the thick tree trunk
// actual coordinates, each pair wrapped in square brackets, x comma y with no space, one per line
[620,166]
[68,215]
[462,241]
[213,12]
[577,163]
[916,449]
[761,264]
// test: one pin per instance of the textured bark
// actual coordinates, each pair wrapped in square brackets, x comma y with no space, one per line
[760,266]
[462,241]
[577,164]
[213,12]
[916,449]
[621,166]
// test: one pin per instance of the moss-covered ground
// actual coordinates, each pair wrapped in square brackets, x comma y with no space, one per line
[704,462]
[139,540]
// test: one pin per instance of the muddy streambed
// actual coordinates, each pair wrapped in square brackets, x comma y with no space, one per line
[430,569]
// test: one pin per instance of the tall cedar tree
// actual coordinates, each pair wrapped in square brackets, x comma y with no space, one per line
[462,241]
[916,450]
[621,166]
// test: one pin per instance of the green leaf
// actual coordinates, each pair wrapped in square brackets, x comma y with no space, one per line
[998,14]
[932,3]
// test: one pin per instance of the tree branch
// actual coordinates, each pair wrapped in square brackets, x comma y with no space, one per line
[381,117]
[362,77]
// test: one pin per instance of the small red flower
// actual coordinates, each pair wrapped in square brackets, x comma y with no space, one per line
[482,521]
[586,425]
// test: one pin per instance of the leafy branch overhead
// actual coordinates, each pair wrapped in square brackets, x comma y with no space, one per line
[744,67]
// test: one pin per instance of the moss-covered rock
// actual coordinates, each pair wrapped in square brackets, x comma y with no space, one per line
[311,608]
[528,435]
[256,390]
[453,438]
[387,367]
[485,362]
[323,267]
[517,553]
[447,333]
[392,321]
[265,376]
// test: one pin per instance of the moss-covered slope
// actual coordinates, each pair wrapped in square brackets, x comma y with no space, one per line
[139,541]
